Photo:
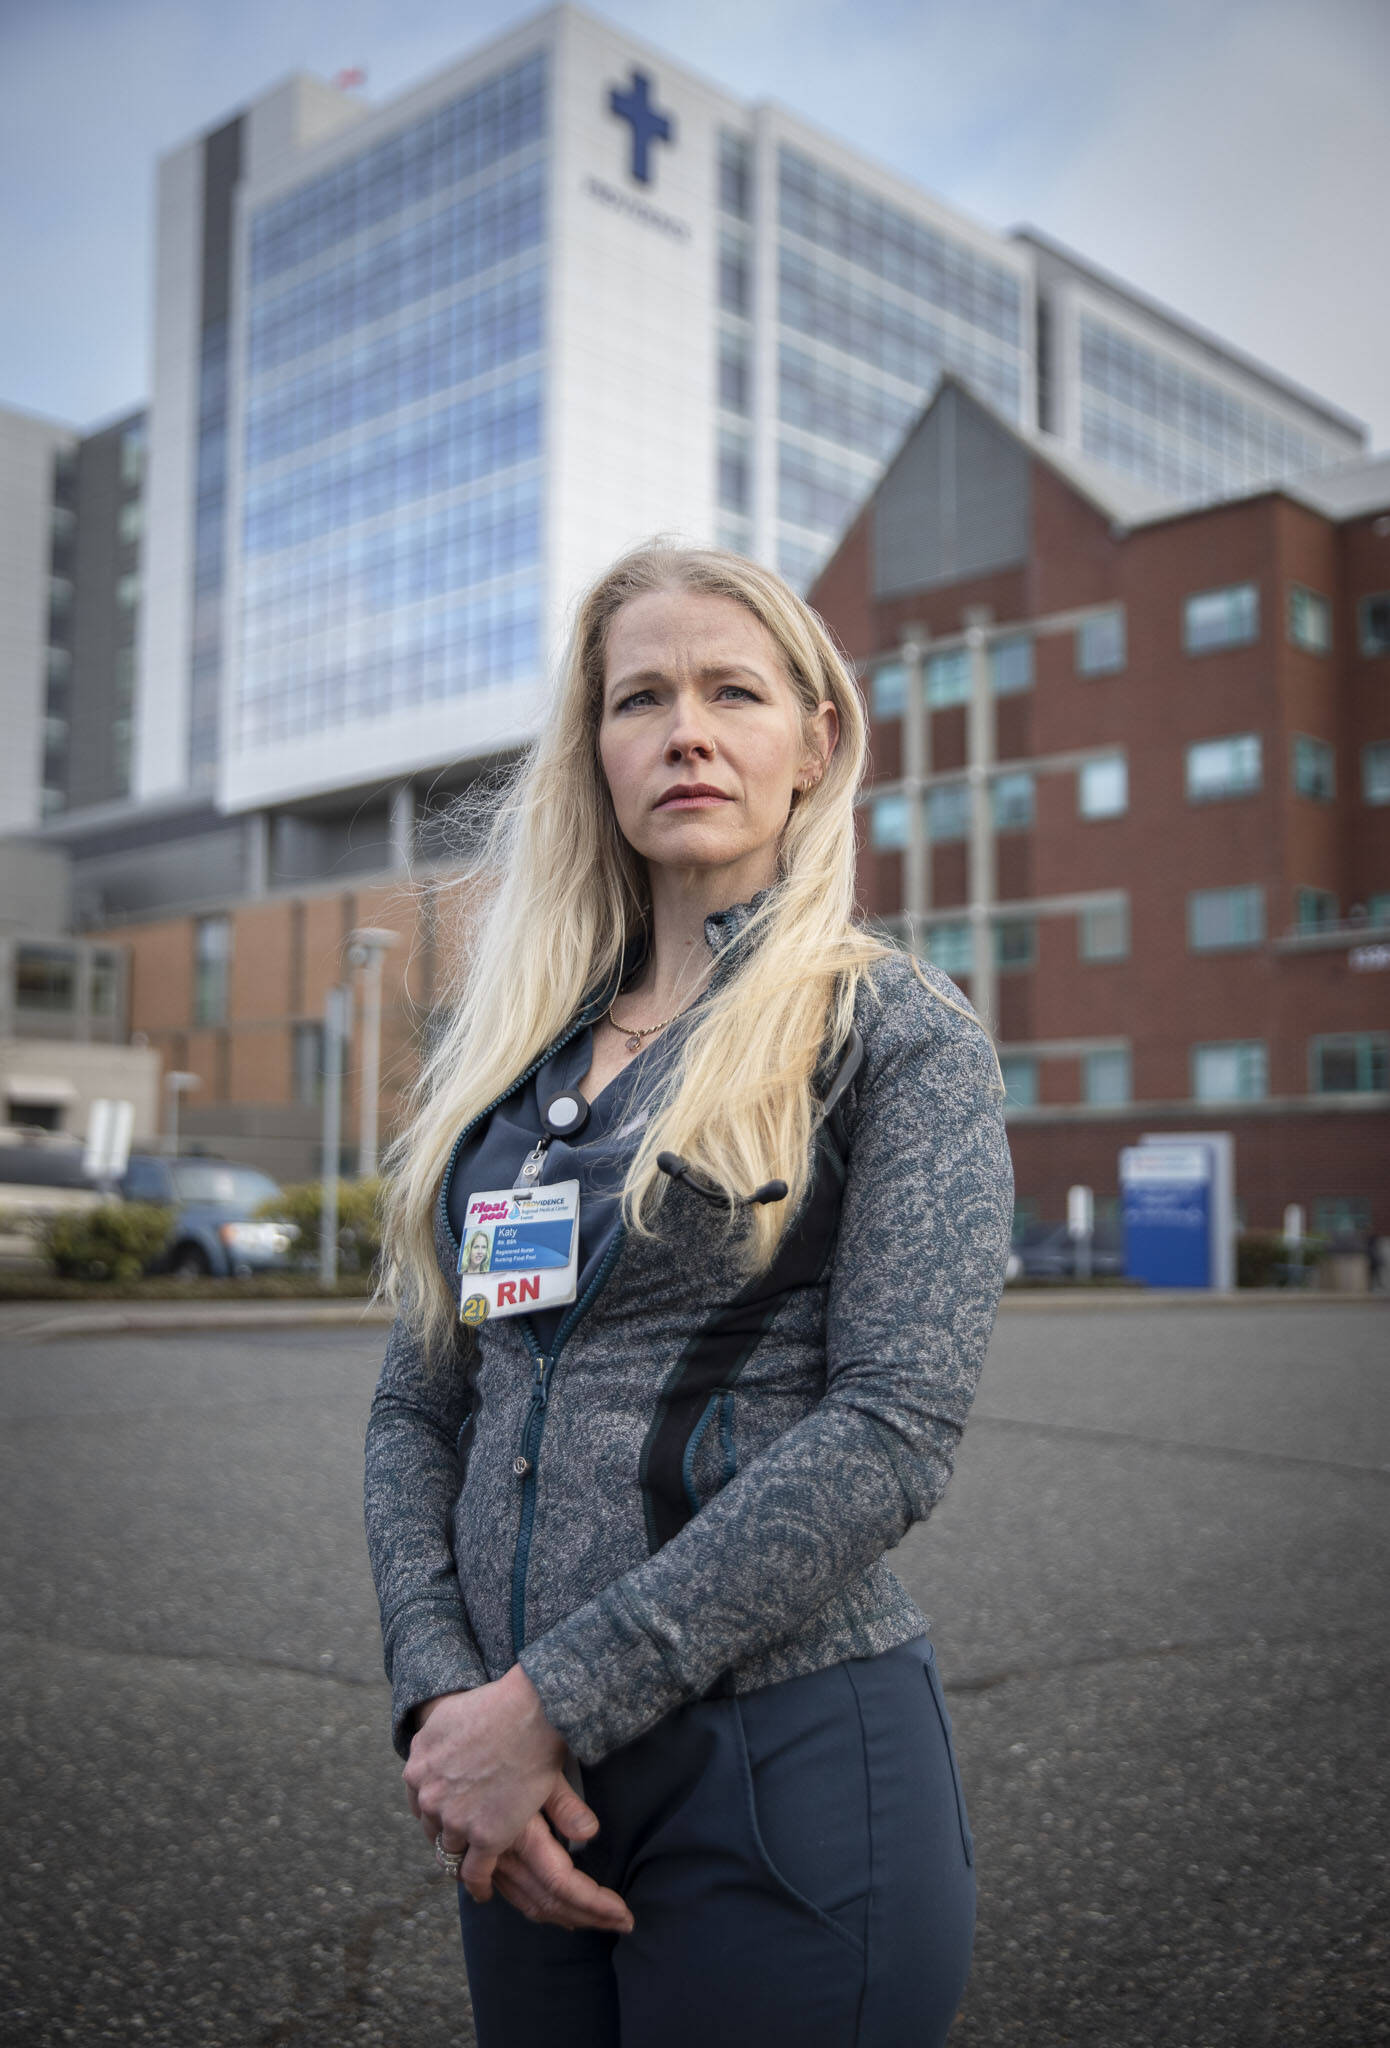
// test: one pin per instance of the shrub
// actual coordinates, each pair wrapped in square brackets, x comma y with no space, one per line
[359,1220]
[1266,1258]
[114,1241]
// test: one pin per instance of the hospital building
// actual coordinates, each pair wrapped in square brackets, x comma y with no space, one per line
[419,369]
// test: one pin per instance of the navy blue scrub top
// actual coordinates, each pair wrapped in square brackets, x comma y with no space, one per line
[598,1157]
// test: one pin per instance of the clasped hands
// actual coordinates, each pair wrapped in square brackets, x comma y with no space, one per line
[486,1772]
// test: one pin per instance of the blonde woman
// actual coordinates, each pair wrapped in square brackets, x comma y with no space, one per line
[669,1718]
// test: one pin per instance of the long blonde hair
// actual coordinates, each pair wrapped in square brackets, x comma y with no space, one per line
[562,894]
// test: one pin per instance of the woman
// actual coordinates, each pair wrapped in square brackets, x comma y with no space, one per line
[633,1540]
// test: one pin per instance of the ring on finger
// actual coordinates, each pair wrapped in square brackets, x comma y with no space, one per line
[447,1859]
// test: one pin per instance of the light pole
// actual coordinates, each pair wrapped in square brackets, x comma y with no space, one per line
[175,1085]
[367,949]
[335,1021]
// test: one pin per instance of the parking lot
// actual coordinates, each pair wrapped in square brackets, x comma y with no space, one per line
[1157,1587]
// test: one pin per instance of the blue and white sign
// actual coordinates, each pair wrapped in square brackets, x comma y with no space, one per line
[1166,1195]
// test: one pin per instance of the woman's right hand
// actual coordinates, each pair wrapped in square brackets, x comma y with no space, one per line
[477,1758]
[538,1877]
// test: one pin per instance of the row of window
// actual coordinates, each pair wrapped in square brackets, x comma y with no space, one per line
[441,451]
[1102,933]
[1212,619]
[1102,791]
[504,220]
[416,360]
[1246,442]
[1213,769]
[822,207]
[50,978]
[826,305]
[402,662]
[455,142]
[1218,921]
[1339,1063]
[348,577]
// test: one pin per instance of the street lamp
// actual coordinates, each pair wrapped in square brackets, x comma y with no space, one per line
[175,1085]
[367,949]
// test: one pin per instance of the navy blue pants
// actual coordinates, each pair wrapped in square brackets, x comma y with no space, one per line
[799,1867]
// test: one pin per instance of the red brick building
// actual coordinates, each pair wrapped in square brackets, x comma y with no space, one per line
[1131,788]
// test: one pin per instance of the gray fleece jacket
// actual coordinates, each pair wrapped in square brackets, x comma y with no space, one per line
[694,1490]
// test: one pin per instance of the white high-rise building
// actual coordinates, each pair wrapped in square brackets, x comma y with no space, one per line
[421,369]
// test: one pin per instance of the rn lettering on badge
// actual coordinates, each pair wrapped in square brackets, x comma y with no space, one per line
[511,1293]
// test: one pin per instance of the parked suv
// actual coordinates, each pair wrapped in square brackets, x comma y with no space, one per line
[215,1228]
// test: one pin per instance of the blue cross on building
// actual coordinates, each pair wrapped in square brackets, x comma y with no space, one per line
[635,106]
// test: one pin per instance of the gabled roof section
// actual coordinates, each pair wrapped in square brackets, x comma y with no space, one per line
[956,499]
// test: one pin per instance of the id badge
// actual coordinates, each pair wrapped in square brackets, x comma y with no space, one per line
[520,1251]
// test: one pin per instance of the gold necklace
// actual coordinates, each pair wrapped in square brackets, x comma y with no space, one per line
[633,1039]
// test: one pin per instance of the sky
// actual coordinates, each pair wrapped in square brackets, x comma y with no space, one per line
[1228,157]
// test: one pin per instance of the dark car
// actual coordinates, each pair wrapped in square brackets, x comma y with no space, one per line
[215,1228]
[1048,1252]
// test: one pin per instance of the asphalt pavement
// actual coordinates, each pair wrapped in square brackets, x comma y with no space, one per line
[1158,1592]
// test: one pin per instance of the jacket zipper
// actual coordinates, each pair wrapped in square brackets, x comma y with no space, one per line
[525,1462]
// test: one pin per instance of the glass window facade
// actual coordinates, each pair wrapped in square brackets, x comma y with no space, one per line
[1375,772]
[1102,788]
[1314,909]
[1105,1079]
[1100,643]
[1236,1071]
[1349,1063]
[1011,666]
[1102,931]
[1373,623]
[735,175]
[948,678]
[948,811]
[951,947]
[212,961]
[873,303]
[1221,618]
[888,690]
[1314,764]
[1015,943]
[888,823]
[1228,767]
[1310,620]
[1020,1072]
[1012,801]
[1220,920]
[734,474]
[391,515]
[1147,414]
[45,978]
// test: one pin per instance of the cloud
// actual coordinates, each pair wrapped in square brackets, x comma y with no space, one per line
[1226,159]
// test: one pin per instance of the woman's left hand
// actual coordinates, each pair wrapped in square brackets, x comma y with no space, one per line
[482,1765]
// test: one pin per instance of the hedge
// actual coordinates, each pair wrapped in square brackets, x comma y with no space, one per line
[359,1220]
[114,1241]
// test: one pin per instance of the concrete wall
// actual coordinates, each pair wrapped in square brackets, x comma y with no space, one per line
[121,1072]
[27,449]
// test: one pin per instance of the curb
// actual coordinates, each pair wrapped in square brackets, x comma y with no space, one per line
[1063,1300]
[44,1322]
[50,1321]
